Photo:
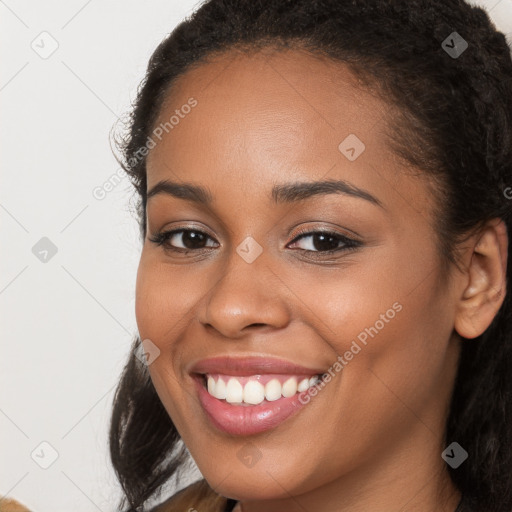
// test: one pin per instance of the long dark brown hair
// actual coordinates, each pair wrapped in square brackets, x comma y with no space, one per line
[455,125]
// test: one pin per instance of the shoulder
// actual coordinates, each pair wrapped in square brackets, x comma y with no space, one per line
[199,496]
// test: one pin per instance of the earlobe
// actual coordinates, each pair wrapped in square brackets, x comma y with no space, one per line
[485,280]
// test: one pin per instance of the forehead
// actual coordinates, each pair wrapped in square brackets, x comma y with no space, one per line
[280,97]
[278,85]
[268,117]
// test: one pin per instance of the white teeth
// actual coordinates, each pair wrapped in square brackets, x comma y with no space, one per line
[303,385]
[234,391]
[254,392]
[211,385]
[313,381]
[220,389]
[272,390]
[290,387]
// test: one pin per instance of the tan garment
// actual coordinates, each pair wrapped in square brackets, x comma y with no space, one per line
[199,496]
[10,505]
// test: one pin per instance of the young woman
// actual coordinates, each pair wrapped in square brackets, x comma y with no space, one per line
[324,325]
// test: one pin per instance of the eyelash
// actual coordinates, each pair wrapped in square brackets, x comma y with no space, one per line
[162,239]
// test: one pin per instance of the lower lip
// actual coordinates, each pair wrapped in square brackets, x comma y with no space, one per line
[243,420]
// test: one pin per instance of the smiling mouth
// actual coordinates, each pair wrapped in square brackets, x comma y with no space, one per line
[256,389]
[244,396]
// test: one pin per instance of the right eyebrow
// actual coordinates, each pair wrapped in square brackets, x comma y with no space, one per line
[186,191]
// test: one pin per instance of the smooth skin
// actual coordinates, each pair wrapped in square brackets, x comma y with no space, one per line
[372,438]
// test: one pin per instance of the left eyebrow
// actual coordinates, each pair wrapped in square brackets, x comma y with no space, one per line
[282,193]
[291,192]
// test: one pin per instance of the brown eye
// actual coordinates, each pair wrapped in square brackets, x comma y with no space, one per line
[182,239]
[324,241]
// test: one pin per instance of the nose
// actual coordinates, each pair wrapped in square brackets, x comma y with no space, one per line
[247,296]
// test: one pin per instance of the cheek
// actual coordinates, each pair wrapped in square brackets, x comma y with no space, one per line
[395,358]
[345,304]
[148,307]
[160,302]
[388,324]
[412,353]
[158,311]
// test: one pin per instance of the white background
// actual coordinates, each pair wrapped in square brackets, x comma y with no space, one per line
[67,324]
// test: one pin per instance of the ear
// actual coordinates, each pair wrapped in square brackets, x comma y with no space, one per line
[485,280]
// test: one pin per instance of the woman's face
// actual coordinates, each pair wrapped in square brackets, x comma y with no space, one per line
[256,287]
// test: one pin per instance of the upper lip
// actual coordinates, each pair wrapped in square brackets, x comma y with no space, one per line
[255,365]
